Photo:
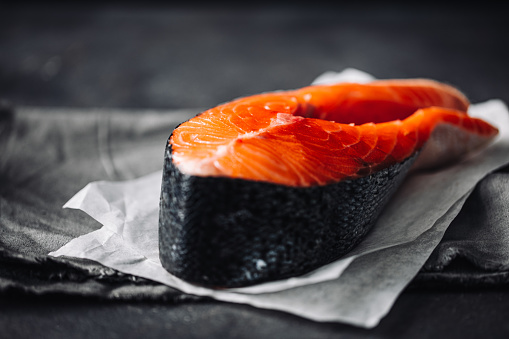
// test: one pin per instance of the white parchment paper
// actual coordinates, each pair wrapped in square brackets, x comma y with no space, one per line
[358,289]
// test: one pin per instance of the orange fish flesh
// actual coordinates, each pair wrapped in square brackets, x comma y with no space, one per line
[275,185]
[322,134]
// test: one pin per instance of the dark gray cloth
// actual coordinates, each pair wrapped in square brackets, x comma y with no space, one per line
[47,155]
[475,248]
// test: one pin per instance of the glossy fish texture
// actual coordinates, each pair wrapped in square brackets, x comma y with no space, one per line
[275,185]
[323,134]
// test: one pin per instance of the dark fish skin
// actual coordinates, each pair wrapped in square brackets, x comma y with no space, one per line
[222,232]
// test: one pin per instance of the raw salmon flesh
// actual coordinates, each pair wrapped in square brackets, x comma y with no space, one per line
[277,184]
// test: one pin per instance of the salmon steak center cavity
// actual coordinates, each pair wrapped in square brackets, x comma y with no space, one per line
[276,185]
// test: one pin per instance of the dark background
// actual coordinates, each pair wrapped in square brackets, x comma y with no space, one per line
[162,56]
[149,55]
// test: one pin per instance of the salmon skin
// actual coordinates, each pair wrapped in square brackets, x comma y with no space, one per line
[276,185]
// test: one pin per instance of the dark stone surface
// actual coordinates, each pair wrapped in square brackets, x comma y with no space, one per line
[156,56]
[416,314]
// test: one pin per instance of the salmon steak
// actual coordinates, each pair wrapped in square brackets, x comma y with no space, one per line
[275,185]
